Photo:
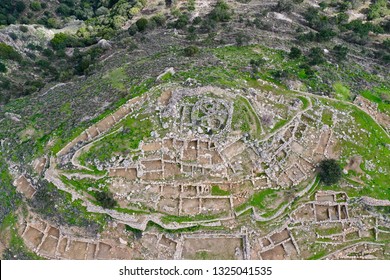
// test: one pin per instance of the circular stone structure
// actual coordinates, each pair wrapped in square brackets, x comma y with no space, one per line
[211,114]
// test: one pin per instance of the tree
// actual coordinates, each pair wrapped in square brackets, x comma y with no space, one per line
[329,171]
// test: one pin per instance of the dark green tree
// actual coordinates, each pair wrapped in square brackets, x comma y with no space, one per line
[330,172]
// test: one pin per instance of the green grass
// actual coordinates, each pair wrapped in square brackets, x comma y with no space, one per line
[83,185]
[122,142]
[341,91]
[215,190]
[261,199]
[336,229]
[327,117]
[117,78]
[279,125]
[182,219]
[379,95]
[305,102]
[166,77]
[371,146]
[245,118]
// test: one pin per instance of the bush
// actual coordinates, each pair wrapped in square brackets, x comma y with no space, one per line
[35,6]
[63,10]
[63,40]
[141,24]
[221,12]
[378,8]
[20,6]
[23,28]
[8,52]
[132,30]
[13,36]
[52,23]
[182,21]
[105,199]
[159,19]
[3,68]
[316,56]
[386,44]
[284,6]
[340,52]
[295,53]
[330,172]
[325,35]
[242,39]
[191,50]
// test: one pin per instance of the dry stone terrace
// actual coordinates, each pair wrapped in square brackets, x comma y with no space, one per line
[187,191]
[174,172]
[341,232]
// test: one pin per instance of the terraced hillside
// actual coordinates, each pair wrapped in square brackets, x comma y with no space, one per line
[207,147]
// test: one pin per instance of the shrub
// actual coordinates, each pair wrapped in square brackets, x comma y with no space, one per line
[105,199]
[182,21]
[63,40]
[35,6]
[242,39]
[141,24]
[378,8]
[191,50]
[284,6]
[23,28]
[20,6]
[13,36]
[340,52]
[221,12]
[329,171]
[52,23]
[8,52]
[132,30]
[316,56]
[386,44]
[63,10]
[325,35]
[159,19]
[295,53]
[3,68]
